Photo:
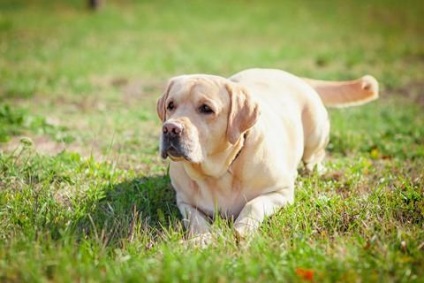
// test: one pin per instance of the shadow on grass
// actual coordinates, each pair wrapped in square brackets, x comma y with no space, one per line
[135,208]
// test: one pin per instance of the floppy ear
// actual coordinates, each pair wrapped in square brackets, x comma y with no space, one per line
[160,106]
[243,114]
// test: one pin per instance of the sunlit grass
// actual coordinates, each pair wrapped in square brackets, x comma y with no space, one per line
[84,195]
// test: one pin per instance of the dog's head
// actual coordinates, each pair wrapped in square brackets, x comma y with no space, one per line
[203,115]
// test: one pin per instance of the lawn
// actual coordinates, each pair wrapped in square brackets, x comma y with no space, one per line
[85,197]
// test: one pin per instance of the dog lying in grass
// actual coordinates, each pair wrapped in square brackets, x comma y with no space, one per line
[235,143]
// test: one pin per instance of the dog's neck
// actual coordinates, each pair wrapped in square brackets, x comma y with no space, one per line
[216,165]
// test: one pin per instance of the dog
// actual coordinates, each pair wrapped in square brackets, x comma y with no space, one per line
[236,143]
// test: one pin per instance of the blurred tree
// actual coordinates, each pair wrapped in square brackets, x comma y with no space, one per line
[94,4]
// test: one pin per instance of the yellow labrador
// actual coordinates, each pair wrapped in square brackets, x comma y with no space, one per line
[235,143]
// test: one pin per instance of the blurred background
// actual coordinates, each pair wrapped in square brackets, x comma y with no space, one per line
[56,44]
[69,65]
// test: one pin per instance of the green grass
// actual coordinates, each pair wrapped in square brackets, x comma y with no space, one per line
[85,197]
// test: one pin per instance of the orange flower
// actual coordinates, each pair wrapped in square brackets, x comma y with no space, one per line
[305,274]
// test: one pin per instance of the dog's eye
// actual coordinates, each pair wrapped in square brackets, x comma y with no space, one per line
[170,106]
[204,109]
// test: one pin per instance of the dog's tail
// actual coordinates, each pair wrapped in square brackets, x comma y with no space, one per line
[346,93]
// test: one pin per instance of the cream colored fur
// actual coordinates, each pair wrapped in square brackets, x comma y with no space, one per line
[240,159]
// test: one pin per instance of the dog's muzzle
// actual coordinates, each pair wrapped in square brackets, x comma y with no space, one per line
[172,133]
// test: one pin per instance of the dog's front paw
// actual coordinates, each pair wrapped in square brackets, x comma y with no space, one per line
[244,235]
[318,168]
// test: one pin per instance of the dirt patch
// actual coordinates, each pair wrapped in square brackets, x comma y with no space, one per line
[46,146]
[132,90]
[413,91]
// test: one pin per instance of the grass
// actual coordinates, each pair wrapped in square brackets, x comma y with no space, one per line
[85,197]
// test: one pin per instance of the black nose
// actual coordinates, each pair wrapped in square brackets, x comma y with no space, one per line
[172,129]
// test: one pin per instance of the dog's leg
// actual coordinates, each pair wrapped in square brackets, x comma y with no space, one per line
[197,225]
[195,221]
[258,208]
[313,161]
[316,138]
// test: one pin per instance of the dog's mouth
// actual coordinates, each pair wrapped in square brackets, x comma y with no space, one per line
[174,152]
